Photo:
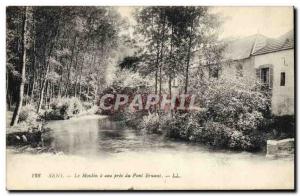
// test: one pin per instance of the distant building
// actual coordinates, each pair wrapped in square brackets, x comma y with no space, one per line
[267,59]
[270,60]
[274,64]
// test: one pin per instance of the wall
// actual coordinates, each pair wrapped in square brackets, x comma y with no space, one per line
[282,96]
[229,68]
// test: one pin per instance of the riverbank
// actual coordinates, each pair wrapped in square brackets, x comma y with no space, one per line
[33,141]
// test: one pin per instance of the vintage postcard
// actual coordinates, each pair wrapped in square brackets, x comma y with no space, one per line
[150,98]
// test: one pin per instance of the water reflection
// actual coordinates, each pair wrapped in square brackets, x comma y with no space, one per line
[78,137]
[94,136]
[104,137]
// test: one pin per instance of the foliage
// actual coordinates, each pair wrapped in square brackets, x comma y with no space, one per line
[124,79]
[28,114]
[169,36]
[170,39]
[63,108]
[151,123]
[130,63]
[29,120]
[87,105]
[58,63]
[235,102]
[233,117]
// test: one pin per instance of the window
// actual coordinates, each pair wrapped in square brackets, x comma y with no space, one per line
[284,61]
[265,75]
[282,79]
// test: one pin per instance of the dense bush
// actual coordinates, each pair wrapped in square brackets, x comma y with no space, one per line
[198,128]
[151,123]
[233,116]
[235,103]
[237,111]
[28,120]
[63,108]
[131,84]
[28,114]
[175,127]
[87,105]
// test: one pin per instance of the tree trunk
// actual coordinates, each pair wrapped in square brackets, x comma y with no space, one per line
[60,82]
[32,90]
[46,93]
[88,92]
[157,59]
[34,72]
[76,71]
[26,45]
[171,62]
[188,61]
[47,70]
[69,68]
[42,93]
[80,75]
[27,94]
[161,55]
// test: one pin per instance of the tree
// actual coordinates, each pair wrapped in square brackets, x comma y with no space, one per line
[151,27]
[59,64]
[172,37]
[26,45]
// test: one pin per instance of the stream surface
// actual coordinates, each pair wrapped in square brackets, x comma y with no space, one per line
[93,137]
[103,137]
[93,145]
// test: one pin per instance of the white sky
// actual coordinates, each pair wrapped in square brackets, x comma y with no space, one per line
[244,21]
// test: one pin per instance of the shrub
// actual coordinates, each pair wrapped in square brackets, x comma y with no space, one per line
[28,114]
[63,108]
[216,134]
[28,120]
[129,83]
[134,119]
[176,126]
[151,123]
[118,116]
[87,105]
[53,115]
[77,105]
[236,103]
[233,117]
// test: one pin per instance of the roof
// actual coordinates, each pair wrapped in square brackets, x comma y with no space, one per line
[283,42]
[257,44]
[244,47]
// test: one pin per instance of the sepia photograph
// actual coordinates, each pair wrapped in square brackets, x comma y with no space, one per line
[150,98]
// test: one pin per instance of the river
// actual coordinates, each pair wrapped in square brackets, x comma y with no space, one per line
[98,144]
[103,137]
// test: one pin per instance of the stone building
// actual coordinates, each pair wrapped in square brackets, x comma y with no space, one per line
[270,60]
